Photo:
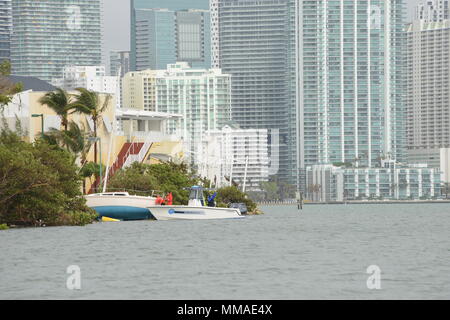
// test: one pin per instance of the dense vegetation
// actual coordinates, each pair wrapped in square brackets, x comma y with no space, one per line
[39,184]
[162,178]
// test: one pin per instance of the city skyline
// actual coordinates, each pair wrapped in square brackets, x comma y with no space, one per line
[117,23]
[116,27]
[299,68]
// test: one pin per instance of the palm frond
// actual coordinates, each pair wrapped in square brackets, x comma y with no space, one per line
[106,102]
[58,100]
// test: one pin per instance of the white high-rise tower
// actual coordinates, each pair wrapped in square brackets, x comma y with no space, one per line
[432,10]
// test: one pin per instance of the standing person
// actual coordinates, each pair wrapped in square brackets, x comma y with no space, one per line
[211,202]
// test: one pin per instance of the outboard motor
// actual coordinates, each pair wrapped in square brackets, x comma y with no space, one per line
[241,206]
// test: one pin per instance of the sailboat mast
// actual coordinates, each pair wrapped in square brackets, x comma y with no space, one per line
[111,141]
[245,174]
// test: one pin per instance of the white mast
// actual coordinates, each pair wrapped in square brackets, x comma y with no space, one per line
[231,171]
[245,174]
[111,141]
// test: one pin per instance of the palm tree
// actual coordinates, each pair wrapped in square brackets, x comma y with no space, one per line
[317,190]
[314,190]
[74,140]
[88,102]
[77,141]
[60,102]
[87,171]
[446,189]
[393,188]
[310,191]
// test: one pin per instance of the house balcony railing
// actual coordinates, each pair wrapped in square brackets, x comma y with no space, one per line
[154,136]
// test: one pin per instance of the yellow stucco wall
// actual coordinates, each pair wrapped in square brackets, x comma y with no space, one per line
[35,124]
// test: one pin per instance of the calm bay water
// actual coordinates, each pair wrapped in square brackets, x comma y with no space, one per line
[321,253]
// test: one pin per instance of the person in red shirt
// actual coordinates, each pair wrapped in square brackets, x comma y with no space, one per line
[169,199]
[159,200]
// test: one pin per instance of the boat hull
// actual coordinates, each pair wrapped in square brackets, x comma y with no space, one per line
[126,208]
[124,213]
[193,213]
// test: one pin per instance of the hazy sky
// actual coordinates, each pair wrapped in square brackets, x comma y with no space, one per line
[117,24]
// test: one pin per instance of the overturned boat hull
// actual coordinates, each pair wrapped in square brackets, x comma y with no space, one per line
[121,206]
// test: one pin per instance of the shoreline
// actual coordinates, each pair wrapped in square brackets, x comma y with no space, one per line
[357,202]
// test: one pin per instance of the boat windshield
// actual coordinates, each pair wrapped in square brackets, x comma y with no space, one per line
[196,194]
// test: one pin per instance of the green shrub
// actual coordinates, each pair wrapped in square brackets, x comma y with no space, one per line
[3,227]
[232,194]
[39,185]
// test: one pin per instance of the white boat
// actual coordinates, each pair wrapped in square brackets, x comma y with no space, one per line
[121,205]
[195,210]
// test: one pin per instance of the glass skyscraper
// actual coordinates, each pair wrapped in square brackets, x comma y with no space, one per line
[351,67]
[164,32]
[51,34]
[254,41]
[5,29]
[155,46]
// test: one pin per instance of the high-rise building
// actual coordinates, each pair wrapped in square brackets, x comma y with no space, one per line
[215,41]
[193,37]
[164,32]
[200,96]
[432,10]
[254,41]
[5,29]
[351,64]
[164,37]
[119,63]
[51,34]
[93,78]
[428,91]
[155,45]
